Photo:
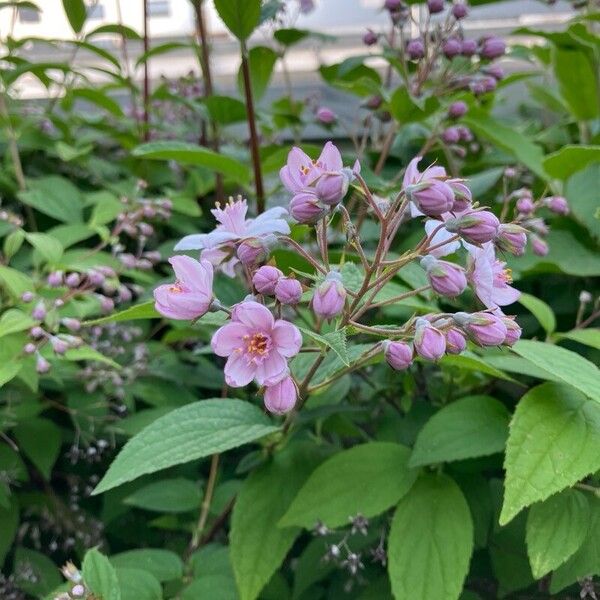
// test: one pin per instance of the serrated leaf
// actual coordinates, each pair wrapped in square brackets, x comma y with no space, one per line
[9,523]
[430,541]
[88,353]
[100,576]
[49,248]
[563,364]
[15,282]
[163,564]
[570,159]
[185,434]
[540,310]
[470,427]
[366,479]
[553,442]
[336,340]
[54,196]
[258,546]
[556,529]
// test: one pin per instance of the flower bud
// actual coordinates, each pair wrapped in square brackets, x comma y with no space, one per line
[288,290]
[451,135]
[445,277]
[489,84]
[477,87]
[329,296]
[430,343]
[557,204]
[456,342]
[332,187]
[55,279]
[29,348]
[39,312]
[435,6]
[281,397]
[432,197]
[585,297]
[452,47]
[36,332]
[59,346]
[511,238]
[95,277]
[495,71]
[415,49]
[146,229]
[513,331]
[252,251]
[106,304]
[525,205]
[485,329]
[71,324]
[326,115]
[477,227]
[41,365]
[306,208]
[374,102]
[492,47]
[539,246]
[460,10]
[78,591]
[73,280]
[457,109]
[468,47]
[399,355]
[539,226]
[265,279]
[370,38]
[27,296]
[462,195]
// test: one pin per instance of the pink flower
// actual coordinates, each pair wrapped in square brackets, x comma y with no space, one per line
[191,295]
[485,329]
[257,345]
[490,278]
[281,397]
[445,277]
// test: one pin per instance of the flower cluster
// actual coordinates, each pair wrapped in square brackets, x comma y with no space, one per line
[258,343]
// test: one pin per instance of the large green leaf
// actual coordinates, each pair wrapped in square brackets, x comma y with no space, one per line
[76,13]
[240,16]
[14,320]
[49,248]
[100,576]
[145,310]
[35,573]
[554,441]
[406,109]
[167,496]
[366,479]
[581,191]
[9,523]
[137,584]
[15,282]
[163,564]
[40,441]
[540,310]
[54,196]
[588,337]
[570,159]
[191,154]
[430,541]
[556,529]
[258,546]
[185,434]
[261,61]
[563,364]
[470,427]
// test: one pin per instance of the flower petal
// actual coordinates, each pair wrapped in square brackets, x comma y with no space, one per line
[238,371]
[254,315]
[228,338]
[330,158]
[286,338]
[271,368]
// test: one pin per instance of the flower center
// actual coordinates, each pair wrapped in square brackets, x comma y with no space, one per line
[257,346]
[507,275]
[176,288]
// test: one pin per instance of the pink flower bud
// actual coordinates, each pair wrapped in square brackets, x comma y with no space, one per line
[129,261]
[476,227]
[432,197]
[539,226]
[281,397]
[326,115]
[557,204]
[55,279]
[370,38]
[399,355]
[125,294]
[329,296]
[495,71]
[511,238]
[489,84]
[59,346]
[71,324]
[415,49]
[27,296]
[95,277]
[36,332]
[73,280]
[252,251]
[539,246]
[435,6]
[332,187]
[265,279]
[457,109]
[393,5]
[451,135]
[78,591]
[106,304]
[430,343]
[485,329]
[452,47]
[445,277]
[525,205]
[492,47]
[460,10]
[288,290]
[39,312]
[462,195]
[513,331]
[29,348]
[456,342]
[468,47]
[306,208]
[146,229]
[374,102]
[41,365]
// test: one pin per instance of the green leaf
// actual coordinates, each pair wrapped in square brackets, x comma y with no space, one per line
[99,575]
[336,340]
[191,154]
[121,30]
[470,427]
[430,541]
[35,573]
[215,587]
[586,560]
[258,546]
[9,523]
[167,495]
[76,13]
[15,282]
[472,362]
[406,109]
[14,320]
[556,529]
[563,364]
[136,584]
[40,440]
[366,479]
[506,138]
[225,110]
[49,247]
[588,337]
[554,441]
[241,17]
[540,310]
[578,82]
[261,61]
[163,564]
[581,192]
[100,99]
[88,353]
[185,434]
[570,159]
[54,196]
[159,50]
[145,310]
[13,242]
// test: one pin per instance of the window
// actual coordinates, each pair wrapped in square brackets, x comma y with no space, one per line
[158,8]
[29,15]
[95,11]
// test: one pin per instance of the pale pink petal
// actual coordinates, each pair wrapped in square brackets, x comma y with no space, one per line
[503,296]
[441,236]
[411,175]
[232,216]
[291,183]
[192,242]
[238,371]
[192,273]
[228,338]
[272,367]
[254,315]
[330,158]
[286,338]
